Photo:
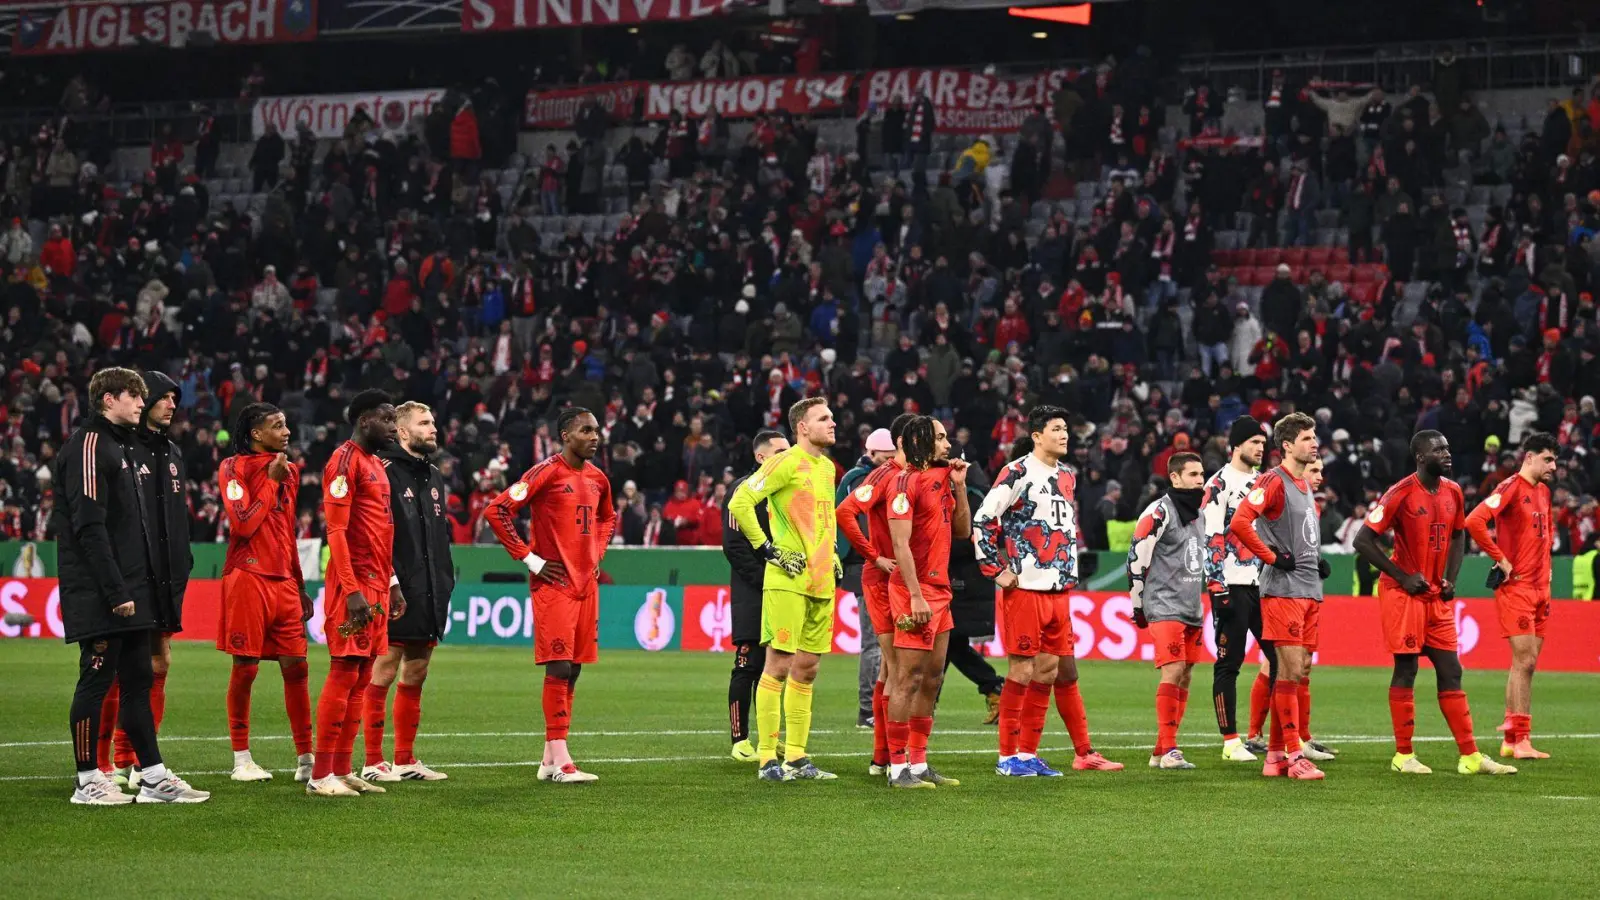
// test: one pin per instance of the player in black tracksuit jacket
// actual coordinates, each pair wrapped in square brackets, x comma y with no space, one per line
[424,576]
[106,546]
[746,573]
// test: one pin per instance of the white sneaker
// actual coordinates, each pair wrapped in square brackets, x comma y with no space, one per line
[1315,755]
[1235,751]
[100,791]
[250,771]
[418,772]
[302,769]
[170,789]
[381,773]
[360,785]
[1173,759]
[566,774]
[120,777]
[330,787]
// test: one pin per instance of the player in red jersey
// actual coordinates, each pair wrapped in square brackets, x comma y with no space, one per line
[570,528]
[1425,513]
[1519,510]
[264,601]
[870,499]
[929,499]
[1291,583]
[360,532]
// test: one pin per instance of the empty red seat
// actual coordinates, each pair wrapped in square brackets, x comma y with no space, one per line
[1225,258]
[1341,254]
[1269,256]
[1294,256]
[1319,256]
[1365,273]
[1340,272]
[1362,294]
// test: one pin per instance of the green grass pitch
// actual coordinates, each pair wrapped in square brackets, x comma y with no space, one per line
[672,816]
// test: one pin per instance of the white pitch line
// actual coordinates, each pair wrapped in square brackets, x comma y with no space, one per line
[935,752]
[1558,797]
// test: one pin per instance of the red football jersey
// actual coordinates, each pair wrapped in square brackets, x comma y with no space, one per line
[261,516]
[355,504]
[1521,515]
[572,519]
[924,498]
[870,498]
[1423,525]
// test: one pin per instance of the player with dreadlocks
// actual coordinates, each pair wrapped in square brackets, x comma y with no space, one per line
[568,532]
[929,499]
[264,601]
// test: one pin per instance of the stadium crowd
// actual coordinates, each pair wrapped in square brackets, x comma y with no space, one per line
[1157,278]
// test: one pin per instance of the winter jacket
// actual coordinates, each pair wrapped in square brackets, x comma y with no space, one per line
[166,502]
[464,135]
[747,569]
[419,501]
[103,546]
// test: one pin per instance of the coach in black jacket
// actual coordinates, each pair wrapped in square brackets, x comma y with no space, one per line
[167,511]
[746,568]
[105,548]
[424,577]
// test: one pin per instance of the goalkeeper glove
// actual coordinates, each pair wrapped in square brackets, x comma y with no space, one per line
[791,562]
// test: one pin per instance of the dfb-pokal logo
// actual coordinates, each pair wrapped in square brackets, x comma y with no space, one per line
[654,624]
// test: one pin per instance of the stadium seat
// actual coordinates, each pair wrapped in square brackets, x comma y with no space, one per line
[1263,275]
[1269,256]
[1226,259]
[1341,255]
[1319,256]
[1366,273]
[1295,257]
[1341,272]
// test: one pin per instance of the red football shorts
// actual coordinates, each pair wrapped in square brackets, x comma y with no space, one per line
[1523,609]
[938,600]
[1177,642]
[1291,621]
[566,628]
[1411,623]
[370,641]
[1032,622]
[260,617]
[875,594]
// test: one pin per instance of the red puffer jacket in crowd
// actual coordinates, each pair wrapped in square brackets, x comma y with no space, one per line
[58,257]
[464,135]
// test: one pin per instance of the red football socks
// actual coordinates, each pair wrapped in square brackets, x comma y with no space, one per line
[352,719]
[407,716]
[1403,713]
[1183,703]
[240,680]
[899,737]
[1069,702]
[1013,694]
[108,724]
[557,713]
[1286,710]
[921,727]
[297,702]
[332,706]
[1521,726]
[1458,715]
[158,698]
[880,725]
[1305,709]
[374,709]
[1260,702]
[1167,716]
[1035,709]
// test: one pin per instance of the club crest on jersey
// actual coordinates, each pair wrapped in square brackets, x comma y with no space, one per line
[172,469]
[1258,496]
[339,489]
[1493,501]
[519,491]
[901,505]
[864,493]
[234,490]
[1376,515]
[435,493]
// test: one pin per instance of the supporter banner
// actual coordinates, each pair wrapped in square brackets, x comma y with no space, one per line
[1213,141]
[85,28]
[558,108]
[328,114]
[731,98]
[512,15]
[967,102]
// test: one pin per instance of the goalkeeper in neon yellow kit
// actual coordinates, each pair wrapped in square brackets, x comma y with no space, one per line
[797,595]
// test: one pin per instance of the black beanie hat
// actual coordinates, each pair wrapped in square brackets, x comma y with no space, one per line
[1243,429]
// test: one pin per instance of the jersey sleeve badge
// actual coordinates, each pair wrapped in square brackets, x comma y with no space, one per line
[1376,515]
[901,505]
[339,489]
[1258,496]
[1493,501]
[519,491]
[864,493]
[235,491]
